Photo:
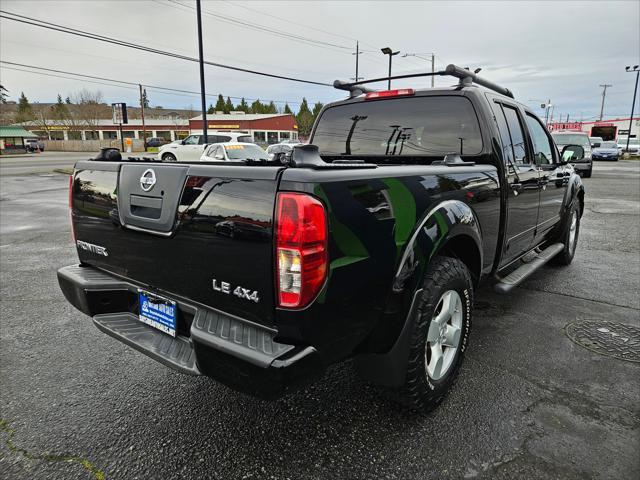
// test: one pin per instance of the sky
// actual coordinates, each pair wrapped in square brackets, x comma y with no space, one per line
[557,50]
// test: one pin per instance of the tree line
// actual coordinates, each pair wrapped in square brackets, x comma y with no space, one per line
[85,108]
[304,118]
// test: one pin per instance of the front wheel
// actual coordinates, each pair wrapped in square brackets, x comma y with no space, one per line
[570,236]
[439,337]
[169,157]
[588,173]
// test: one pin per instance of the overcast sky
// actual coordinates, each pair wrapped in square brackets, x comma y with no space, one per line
[557,50]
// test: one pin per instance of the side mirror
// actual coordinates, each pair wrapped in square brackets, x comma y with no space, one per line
[596,145]
[572,153]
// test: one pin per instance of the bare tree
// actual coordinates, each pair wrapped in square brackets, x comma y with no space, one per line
[89,107]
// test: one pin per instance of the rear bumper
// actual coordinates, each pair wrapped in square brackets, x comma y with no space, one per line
[235,352]
[582,166]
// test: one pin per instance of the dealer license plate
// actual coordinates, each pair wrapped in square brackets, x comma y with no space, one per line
[160,313]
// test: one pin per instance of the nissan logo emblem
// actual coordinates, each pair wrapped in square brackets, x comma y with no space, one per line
[147,180]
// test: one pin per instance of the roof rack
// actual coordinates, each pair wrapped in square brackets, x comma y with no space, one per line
[466,77]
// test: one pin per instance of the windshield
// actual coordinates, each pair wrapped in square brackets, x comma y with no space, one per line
[403,126]
[568,139]
[608,145]
[245,152]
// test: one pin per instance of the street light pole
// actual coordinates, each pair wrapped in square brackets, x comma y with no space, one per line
[202,89]
[633,104]
[604,94]
[391,53]
[433,63]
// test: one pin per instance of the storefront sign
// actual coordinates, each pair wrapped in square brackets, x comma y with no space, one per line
[212,125]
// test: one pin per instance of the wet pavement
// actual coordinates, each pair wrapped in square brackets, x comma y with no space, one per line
[530,402]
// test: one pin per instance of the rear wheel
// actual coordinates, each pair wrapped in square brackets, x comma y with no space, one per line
[169,157]
[570,236]
[587,174]
[440,333]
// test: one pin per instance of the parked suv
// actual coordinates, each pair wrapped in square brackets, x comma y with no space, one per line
[33,144]
[192,147]
[584,166]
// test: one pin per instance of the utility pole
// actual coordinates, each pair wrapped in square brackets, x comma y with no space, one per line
[546,112]
[144,128]
[633,103]
[357,54]
[604,94]
[433,63]
[202,90]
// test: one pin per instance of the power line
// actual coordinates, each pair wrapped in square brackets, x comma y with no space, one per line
[152,87]
[114,41]
[288,21]
[255,26]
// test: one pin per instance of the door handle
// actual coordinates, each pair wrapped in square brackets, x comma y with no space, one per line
[516,187]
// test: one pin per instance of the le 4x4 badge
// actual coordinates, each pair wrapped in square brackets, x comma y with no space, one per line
[240,292]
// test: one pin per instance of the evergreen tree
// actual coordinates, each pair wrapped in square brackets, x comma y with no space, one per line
[228,106]
[243,106]
[59,111]
[304,119]
[219,104]
[287,109]
[145,99]
[257,107]
[316,109]
[25,112]
[3,94]
[67,100]
[271,108]
[210,109]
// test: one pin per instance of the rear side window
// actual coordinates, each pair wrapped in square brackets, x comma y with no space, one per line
[245,139]
[517,135]
[400,127]
[542,147]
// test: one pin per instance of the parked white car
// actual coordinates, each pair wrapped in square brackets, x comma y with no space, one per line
[634,146]
[191,148]
[233,152]
[281,148]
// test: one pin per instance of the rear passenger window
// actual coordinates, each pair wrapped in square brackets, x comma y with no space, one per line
[517,135]
[223,138]
[505,138]
[542,147]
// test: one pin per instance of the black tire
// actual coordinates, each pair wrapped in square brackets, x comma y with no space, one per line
[565,257]
[169,157]
[588,173]
[421,391]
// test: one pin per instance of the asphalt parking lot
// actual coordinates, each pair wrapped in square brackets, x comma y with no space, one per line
[530,403]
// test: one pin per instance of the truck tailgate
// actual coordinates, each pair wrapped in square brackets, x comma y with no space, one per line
[196,231]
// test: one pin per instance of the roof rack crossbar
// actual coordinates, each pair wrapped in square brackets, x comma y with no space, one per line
[466,78]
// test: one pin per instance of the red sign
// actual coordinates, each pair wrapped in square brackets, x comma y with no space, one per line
[565,126]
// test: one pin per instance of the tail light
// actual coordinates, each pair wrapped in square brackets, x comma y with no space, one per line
[301,249]
[400,92]
[73,229]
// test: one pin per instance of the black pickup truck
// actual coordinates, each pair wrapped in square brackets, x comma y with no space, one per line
[366,244]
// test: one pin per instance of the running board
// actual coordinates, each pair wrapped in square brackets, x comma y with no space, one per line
[534,263]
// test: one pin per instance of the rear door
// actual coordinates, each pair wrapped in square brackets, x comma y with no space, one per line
[171,234]
[191,149]
[553,182]
[522,182]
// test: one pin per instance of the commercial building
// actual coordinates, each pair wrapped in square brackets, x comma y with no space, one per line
[12,139]
[265,128]
[609,129]
[103,129]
